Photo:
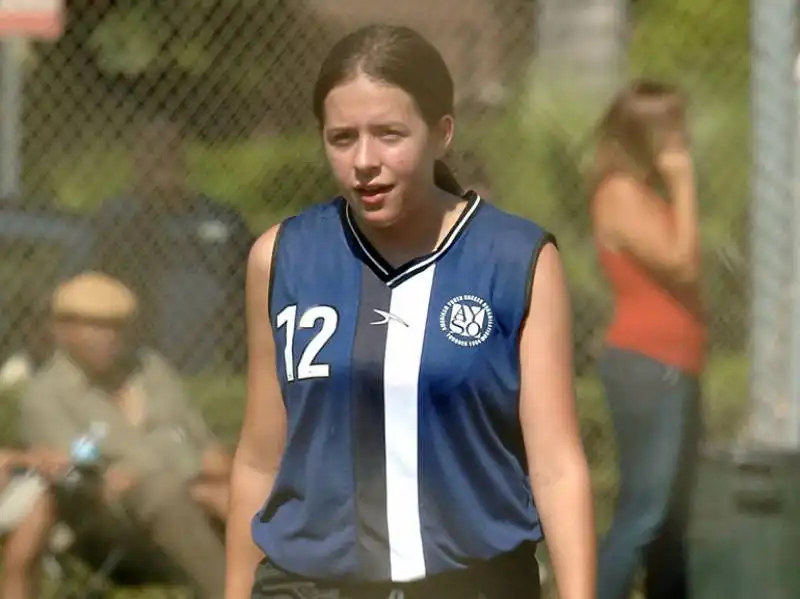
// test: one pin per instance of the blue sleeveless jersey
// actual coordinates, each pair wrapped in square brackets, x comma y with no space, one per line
[404,454]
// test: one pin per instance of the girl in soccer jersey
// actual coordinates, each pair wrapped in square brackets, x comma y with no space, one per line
[410,425]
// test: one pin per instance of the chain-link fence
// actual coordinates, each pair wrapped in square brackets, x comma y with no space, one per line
[184,129]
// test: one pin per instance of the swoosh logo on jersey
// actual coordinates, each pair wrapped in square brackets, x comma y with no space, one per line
[387,317]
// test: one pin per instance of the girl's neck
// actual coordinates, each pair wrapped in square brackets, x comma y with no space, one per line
[420,230]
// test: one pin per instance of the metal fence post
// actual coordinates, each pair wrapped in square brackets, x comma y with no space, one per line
[793,414]
[775,324]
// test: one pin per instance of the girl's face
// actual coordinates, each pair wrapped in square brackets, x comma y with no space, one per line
[380,149]
[667,130]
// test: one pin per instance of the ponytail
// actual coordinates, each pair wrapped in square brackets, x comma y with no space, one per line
[444,178]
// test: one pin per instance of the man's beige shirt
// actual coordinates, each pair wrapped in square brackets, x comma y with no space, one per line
[60,405]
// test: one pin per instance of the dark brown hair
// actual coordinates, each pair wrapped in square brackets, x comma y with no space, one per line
[398,56]
[471,168]
[632,131]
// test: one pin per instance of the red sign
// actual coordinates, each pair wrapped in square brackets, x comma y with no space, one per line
[42,19]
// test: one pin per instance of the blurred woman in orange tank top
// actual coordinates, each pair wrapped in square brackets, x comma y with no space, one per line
[644,214]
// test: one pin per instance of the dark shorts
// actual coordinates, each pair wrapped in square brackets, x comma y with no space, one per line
[514,575]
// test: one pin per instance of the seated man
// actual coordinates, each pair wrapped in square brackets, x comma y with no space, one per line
[163,466]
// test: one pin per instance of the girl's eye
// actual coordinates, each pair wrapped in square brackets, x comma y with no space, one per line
[341,139]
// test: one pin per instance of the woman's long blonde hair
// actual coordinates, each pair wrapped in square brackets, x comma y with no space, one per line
[634,129]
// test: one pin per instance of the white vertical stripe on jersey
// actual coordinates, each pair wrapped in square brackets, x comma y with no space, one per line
[401,367]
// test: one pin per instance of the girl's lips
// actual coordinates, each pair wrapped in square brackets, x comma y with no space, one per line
[372,196]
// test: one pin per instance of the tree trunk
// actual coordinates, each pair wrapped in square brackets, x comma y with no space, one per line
[468,33]
[581,43]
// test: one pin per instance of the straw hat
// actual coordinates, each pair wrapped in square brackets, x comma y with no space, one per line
[94,296]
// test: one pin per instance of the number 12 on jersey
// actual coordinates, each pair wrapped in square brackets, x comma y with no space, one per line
[306,367]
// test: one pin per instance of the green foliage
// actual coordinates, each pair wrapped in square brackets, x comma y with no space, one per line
[130,41]
[537,166]
[537,153]
[264,181]
[699,42]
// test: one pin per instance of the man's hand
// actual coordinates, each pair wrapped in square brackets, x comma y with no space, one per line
[118,481]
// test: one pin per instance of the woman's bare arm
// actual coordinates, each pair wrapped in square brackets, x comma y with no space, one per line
[263,433]
[632,219]
[558,468]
